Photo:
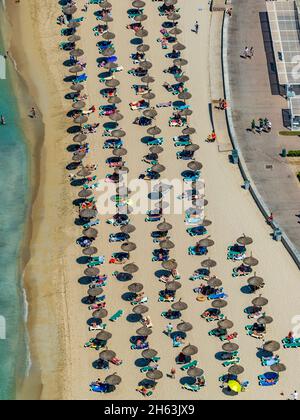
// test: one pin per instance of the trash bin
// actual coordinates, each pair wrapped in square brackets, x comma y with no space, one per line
[235,156]
[246,184]
[277,235]
[284,153]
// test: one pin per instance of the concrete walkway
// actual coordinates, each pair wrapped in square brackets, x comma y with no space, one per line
[254,94]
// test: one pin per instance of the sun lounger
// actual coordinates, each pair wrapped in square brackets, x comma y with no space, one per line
[291,344]
[97,327]
[194,388]
[268,379]
[189,365]
[147,369]
[233,361]
[270,361]
[145,392]
[142,346]
[102,389]
[192,250]
[116,316]
[138,302]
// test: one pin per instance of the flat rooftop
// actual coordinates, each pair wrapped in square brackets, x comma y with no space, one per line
[285,30]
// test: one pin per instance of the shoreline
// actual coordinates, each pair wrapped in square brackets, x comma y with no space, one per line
[32,387]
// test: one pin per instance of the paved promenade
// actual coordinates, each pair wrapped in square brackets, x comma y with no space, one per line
[254,94]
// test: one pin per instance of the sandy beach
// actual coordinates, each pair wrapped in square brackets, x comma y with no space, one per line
[62,367]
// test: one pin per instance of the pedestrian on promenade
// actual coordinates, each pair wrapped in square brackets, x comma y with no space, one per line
[197,27]
[253,126]
[251,53]
[173,373]
[261,125]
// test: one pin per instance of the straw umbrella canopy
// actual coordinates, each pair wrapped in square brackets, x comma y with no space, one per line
[236,370]
[135,288]
[120,152]
[148,79]
[88,213]
[170,2]
[77,88]
[195,166]
[91,271]
[186,112]
[144,331]
[81,120]
[219,303]
[175,31]
[77,53]
[114,100]
[73,25]
[184,326]
[140,309]
[180,62]
[107,355]
[138,4]
[164,226]
[195,372]
[90,251]
[69,10]
[158,168]
[112,83]
[109,52]
[146,65]
[179,306]
[192,148]
[170,265]
[113,380]
[190,350]
[208,263]
[206,242]
[264,320]
[188,131]
[116,117]
[154,375]
[130,268]
[107,19]
[78,157]
[95,292]
[118,133]
[148,96]
[280,367]
[156,149]
[271,346]
[255,281]
[128,247]
[143,48]
[185,96]
[183,79]
[85,193]
[173,16]
[206,222]
[128,229]
[74,38]
[230,347]
[103,336]
[90,233]
[105,5]
[79,138]
[154,131]
[79,105]
[149,353]
[140,18]
[214,282]
[173,286]
[251,261]
[110,65]
[141,33]
[166,244]
[225,324]
[260,301]
[108,36]
[178,47]
[100,313]
[75,69]
[150,113]
[245,240]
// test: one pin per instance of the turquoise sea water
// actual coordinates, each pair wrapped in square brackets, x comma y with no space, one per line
[14,187]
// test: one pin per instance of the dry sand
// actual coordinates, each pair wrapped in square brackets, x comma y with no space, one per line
[57,317]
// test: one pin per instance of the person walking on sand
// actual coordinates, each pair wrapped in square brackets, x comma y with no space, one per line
[169,329]
[253,126]
[173,373]
[197,27]
[32,113]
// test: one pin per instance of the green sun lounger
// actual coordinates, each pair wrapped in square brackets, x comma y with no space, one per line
[231,362]
[116,316]
[194,388]
[288,344]
[189,365]
[147,369]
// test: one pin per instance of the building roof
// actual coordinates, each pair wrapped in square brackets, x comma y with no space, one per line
[285,31]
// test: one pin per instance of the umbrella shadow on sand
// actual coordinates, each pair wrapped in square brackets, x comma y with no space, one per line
[85,280]
[72,166]
[83,260]
[133,318]
[187,380]
[136,41]
[128,296]
[247,290]
[228,392]
[141,362]
[74,129]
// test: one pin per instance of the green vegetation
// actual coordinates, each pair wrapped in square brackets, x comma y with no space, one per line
[293,153]
[289,133]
